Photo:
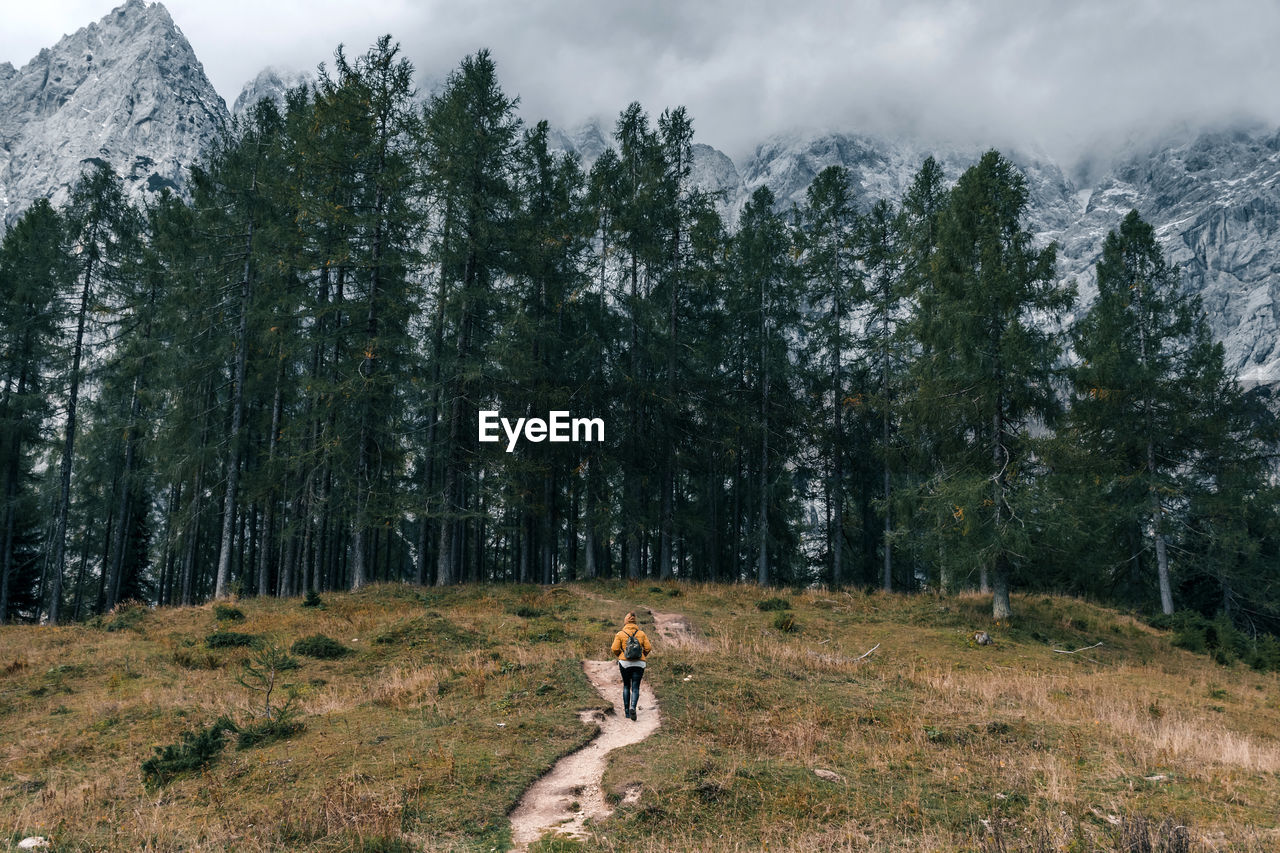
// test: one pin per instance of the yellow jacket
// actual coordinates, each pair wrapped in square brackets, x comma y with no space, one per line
[620,642]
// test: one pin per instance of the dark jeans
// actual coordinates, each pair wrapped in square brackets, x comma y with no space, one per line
[631,676]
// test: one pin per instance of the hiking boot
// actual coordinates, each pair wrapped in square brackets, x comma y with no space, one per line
[633,714]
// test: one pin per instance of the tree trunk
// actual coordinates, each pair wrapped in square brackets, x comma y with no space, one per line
[222,583]
[68,449]
[1000,609]
[1157,532]
[884,438]
[123,511]
[10,495]
[762,564]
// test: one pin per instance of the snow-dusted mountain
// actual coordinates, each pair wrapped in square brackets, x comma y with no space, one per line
[128,90]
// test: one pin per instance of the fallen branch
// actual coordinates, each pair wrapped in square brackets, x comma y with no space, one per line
[835,659]
[1085,649]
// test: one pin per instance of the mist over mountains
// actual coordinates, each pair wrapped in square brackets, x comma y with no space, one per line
[130,91]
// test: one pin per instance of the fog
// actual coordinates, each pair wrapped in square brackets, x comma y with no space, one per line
[1067,77]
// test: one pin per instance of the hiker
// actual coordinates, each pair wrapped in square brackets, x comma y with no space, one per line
[632,648]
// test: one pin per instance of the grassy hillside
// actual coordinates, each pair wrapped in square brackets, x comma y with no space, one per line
[449,703]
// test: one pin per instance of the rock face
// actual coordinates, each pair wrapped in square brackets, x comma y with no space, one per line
[272,83]
[127,90]
[1214,200]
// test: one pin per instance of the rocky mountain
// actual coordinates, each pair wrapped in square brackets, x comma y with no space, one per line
[272,83]
[127,90]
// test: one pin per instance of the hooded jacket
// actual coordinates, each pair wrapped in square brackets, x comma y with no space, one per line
[620,642]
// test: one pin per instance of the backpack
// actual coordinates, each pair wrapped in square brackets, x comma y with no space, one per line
[633,650]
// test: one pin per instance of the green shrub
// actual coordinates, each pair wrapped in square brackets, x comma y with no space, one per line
[786,623]
[319,646]
[230,640]
[524,611]
[1265,655]
[768,604]
[227,613]
[1220,639]
[195,750]
[126,615]
[312,599]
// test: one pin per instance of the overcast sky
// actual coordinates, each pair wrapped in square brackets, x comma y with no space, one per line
[1063,75]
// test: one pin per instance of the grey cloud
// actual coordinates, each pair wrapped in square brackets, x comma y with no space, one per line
[1065,76]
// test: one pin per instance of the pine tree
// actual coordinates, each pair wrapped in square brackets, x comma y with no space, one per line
[827,227]
[917,453]
[239,180]
[986,368]
[470,134]
[34,267]
[879,243]
[103,230]
[765,307]
[1148,368]
[377,89]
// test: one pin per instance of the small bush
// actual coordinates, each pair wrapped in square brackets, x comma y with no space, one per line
[227,613]
[125,616]
[524,611]
[786,623]
[319,646]
[230,640]
[312,599]
[773,604]
[195,750]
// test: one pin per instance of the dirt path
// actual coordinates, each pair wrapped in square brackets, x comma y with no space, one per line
[571,793]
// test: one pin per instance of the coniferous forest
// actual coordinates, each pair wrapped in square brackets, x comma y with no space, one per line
[274,386]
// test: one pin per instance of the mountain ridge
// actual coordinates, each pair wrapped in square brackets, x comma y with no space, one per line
[126,89]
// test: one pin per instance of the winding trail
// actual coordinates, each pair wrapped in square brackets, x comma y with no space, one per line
[571,793]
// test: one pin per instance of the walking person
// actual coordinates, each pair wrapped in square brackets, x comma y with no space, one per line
[632,648]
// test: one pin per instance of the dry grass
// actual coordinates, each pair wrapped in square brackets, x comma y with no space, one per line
[453,702]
